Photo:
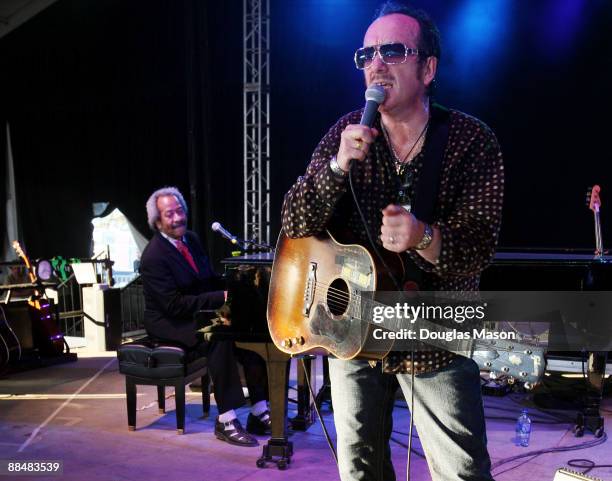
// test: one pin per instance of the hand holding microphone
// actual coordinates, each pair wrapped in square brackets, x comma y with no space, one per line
[355,140]
[355,144]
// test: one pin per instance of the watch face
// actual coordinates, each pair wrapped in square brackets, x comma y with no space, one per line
[44,271]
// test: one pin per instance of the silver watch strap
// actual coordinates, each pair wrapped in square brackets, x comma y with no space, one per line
[335,167]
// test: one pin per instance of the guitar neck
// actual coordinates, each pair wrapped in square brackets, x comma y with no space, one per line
[594,202]
[491,351]
[598,237]
[28,264]
[447,339]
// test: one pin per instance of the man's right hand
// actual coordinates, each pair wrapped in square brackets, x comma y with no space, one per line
[355,144]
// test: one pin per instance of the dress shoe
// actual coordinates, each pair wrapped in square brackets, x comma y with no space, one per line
[232,432]
[261,424]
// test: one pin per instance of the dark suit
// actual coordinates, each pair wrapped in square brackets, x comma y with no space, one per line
[173,294]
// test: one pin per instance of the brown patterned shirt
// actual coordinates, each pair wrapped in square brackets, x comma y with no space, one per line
[467,212]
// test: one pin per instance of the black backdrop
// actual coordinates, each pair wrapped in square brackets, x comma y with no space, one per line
[109,99]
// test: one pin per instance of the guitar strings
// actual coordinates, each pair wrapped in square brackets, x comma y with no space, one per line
[329,287]
[340,297]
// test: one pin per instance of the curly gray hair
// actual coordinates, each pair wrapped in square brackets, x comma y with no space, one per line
[151,205]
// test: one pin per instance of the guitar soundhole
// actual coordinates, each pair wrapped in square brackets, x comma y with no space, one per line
[338,297]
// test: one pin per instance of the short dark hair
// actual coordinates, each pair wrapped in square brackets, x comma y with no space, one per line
[428,43]
[429,38]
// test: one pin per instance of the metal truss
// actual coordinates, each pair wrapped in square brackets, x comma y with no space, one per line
[256,120]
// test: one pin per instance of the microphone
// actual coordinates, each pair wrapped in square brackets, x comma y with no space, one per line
[374,95]
[217,227]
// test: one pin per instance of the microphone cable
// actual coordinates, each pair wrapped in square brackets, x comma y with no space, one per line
[399,289]
[411,409]
[367,230]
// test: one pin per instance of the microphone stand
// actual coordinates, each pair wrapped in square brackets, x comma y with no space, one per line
[250,246]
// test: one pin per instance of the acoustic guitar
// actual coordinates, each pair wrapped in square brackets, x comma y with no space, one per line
[316,306]
[47,336]
[10,347]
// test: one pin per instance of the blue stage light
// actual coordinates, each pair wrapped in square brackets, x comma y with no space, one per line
[476,37]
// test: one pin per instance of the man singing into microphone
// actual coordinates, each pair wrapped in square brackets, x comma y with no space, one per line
[178,281]
[429,182]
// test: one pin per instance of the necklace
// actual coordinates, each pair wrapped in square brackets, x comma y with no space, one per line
[399,163]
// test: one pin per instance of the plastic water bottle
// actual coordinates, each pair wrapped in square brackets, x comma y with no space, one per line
[523,429]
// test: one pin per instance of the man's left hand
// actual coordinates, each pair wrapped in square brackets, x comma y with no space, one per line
[400,229]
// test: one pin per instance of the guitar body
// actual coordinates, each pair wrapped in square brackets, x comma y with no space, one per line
[47,336]
[314,297]
[10,348]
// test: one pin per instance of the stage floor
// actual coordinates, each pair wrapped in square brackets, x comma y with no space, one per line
[76,413]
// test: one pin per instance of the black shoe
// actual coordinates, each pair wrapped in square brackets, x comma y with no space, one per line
[232,432]
[261,424]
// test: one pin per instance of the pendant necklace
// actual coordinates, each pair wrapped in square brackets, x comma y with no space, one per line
[399,164]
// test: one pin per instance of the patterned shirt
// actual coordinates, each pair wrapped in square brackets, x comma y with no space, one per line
[467,211]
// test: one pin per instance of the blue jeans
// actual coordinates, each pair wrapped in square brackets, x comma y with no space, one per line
[448,413]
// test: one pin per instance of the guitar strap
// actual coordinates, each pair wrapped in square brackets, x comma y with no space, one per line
[428,185]
[426,190]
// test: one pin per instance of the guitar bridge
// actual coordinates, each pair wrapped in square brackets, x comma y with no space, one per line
[309,292]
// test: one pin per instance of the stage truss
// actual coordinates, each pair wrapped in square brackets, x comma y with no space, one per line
[257,120]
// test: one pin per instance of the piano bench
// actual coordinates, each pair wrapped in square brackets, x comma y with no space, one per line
[147,362]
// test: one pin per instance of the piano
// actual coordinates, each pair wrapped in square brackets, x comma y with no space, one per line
[248,278]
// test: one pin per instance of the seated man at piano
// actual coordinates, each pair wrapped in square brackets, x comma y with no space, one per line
[179,282]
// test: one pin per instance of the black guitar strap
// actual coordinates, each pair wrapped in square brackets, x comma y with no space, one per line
[428,186]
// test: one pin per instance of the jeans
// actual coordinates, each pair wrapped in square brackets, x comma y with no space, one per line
[448,413]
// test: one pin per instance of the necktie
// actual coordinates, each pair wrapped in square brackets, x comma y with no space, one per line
[182,248]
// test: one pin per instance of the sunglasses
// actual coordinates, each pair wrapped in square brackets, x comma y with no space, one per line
[390,53]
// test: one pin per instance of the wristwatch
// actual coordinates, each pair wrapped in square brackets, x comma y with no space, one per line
[336,169]
[426,240]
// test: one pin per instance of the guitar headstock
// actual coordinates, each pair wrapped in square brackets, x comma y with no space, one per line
[511,361]
[593,198]
[21,253]
[18,249]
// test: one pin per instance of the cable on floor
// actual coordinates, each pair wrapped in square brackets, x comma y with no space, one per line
[560,449]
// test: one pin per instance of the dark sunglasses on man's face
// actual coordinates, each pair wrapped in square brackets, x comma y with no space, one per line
[390,53]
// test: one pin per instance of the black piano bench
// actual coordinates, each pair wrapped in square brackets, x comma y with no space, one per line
[147,362]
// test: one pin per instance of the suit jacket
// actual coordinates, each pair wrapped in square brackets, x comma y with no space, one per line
[174,292]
